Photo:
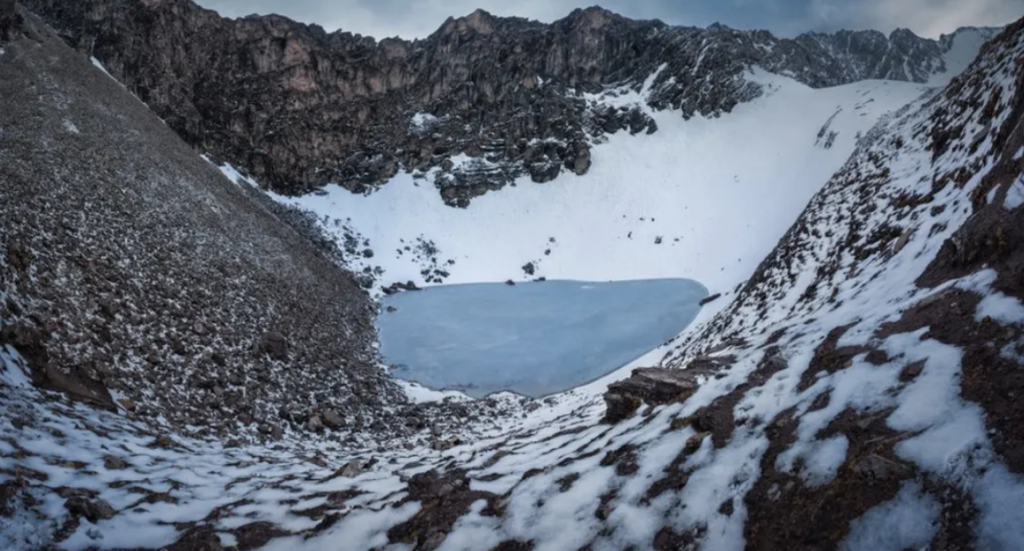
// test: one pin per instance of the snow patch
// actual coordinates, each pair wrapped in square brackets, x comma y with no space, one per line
[909,521]
[1015,194]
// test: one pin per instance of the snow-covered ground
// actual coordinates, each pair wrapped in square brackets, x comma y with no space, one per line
[536,338]
[704,199]
[964,46]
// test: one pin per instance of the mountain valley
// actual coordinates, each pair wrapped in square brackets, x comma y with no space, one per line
[199,218]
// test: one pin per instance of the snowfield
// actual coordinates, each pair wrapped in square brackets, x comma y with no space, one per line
[704,199]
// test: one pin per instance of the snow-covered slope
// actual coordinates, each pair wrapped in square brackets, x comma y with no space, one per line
[959,50]
[705,199]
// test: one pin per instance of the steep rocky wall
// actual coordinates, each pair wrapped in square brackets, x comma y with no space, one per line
[298,107]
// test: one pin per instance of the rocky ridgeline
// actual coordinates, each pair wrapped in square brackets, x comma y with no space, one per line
[298,107]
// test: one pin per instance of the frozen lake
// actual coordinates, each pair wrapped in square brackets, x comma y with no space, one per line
[532,338]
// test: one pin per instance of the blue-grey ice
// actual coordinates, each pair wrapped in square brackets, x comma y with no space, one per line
[532,338]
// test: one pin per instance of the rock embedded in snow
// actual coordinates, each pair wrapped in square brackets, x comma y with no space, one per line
[94,510]
[653,386]
[114,463]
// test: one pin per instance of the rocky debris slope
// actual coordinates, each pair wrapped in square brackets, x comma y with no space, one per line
[857,394]
[483,100]
[137,278]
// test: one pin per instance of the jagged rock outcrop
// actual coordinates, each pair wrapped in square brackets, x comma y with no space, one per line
[8,19]
[484,99]
[652,386]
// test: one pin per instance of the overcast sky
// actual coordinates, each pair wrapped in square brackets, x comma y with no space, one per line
[419,18]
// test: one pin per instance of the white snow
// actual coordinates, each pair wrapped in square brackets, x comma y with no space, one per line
[419,394]
[99,65]
[719,192]
[909,521]
[964,48]
[1004,309]
[1015,194]
[422,121]
[232,174]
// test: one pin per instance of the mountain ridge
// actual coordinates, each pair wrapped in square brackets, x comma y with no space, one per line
[306,107]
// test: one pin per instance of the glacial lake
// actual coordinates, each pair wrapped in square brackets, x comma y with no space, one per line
[535,338]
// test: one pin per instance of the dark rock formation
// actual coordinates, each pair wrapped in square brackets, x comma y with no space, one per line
[92,510]
[9,19]
[651,385]
[710,299]
[298,107]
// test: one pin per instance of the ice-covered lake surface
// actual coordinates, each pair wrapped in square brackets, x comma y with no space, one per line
[534,338]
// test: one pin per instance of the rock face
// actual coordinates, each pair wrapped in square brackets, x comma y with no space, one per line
[8,19]
[129,264]
[651,385]
[484,99]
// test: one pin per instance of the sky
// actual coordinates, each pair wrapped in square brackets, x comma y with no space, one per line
[418,18]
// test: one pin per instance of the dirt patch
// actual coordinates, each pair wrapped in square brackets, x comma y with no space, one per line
[989,377]
[830,357]
[957,518]
[784,513]
[668,539]
[623,458]
[718,418]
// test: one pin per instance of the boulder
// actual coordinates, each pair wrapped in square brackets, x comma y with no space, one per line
[114,463]
[332,419]
[273,344]
[651,385]
[710,299]
[93,510]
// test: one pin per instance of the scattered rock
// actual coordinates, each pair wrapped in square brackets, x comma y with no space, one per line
[114,463]
[399,287]
[93,510]
[351,469]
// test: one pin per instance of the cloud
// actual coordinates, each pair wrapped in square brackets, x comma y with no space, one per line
[929,18]
[419,18]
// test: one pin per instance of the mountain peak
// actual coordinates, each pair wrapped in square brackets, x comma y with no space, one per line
[459,73]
